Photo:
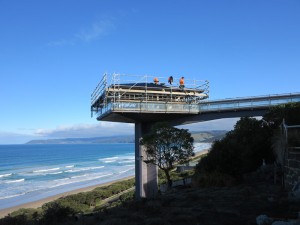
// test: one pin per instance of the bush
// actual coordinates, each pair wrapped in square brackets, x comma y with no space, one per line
[22,216]
[174,176]
[127,196]
[240,151]
[30,214]
[56,212]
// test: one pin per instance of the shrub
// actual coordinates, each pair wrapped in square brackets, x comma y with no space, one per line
[55,213]
[14,220]
[29,214]
[240,151]
[127,196]
[66,203]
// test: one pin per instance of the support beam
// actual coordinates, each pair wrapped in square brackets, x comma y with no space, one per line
[145,174]
[189,119]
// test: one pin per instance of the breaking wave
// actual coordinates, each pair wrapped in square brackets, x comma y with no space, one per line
[5,175]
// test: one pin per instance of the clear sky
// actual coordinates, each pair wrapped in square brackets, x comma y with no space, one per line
[53,54]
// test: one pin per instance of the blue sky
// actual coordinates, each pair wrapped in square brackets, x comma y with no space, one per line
[53,54]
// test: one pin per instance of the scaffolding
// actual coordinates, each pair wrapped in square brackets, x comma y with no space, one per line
[140,93]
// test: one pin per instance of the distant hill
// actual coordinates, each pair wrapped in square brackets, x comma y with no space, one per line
[94,140]
[208,136]
[199,136]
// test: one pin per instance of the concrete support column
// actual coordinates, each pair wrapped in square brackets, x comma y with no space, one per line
[145,174]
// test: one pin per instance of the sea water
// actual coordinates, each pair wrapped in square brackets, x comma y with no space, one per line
[33,172]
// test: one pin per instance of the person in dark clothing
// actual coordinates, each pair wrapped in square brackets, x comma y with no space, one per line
[170,80]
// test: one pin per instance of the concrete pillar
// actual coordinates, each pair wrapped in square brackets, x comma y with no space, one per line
[145,174]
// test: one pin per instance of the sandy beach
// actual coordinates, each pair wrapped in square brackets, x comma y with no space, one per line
[39,203]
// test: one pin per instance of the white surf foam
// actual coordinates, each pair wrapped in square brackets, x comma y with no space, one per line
[55,173]
[84,169]
[124,171]
[71,166]
[75,179]
[127,161]
[109,159]
[11,196]
[14,181]
[46,170]
[5,175]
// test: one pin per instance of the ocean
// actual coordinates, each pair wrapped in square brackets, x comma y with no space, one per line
[32,172]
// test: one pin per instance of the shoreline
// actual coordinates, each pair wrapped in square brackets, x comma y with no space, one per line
[39,203]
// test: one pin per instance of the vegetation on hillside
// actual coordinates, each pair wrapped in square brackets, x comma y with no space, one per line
[244,149]
[240,204]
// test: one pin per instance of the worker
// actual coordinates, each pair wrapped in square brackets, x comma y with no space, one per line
[181,82]
[155,80]
[170,80]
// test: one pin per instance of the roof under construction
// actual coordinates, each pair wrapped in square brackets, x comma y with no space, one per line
[121,97]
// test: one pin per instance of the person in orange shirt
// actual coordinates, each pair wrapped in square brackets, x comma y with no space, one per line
[155,80]
[181,82]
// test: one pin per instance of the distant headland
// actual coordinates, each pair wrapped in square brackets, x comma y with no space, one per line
[199,136]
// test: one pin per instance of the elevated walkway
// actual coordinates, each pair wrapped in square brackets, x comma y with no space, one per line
[253,103]
[237,107]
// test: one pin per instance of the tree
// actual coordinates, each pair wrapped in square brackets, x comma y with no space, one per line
[166,146]
[290,112]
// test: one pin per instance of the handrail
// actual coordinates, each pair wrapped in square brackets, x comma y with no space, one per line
[256,97]
[248,102]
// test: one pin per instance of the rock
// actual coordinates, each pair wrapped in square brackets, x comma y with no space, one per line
[263,220]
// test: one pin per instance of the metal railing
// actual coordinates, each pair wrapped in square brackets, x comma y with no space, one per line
[155,107]
[248,102]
